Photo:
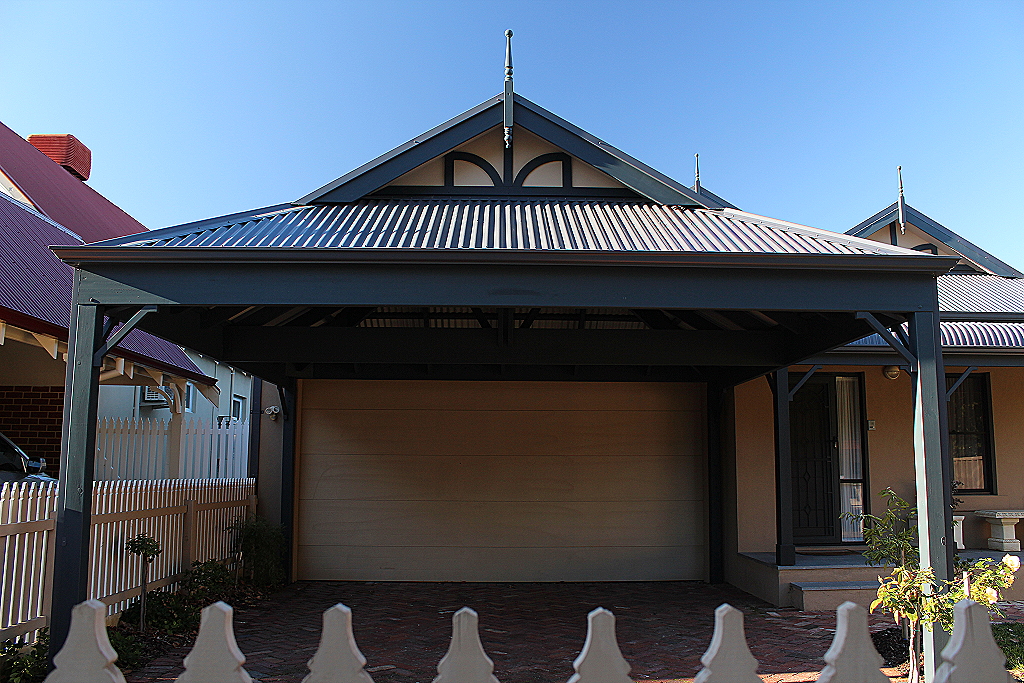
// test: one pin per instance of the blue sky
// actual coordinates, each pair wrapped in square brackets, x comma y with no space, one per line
[800,110]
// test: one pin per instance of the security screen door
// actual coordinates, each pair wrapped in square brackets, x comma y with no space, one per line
[827,460]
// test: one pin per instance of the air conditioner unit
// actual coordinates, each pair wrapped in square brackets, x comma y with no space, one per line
[151,395]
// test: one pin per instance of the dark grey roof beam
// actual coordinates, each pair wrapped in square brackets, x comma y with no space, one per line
[617,164]
[379,172]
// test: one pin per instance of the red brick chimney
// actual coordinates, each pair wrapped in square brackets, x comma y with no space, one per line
[66,150]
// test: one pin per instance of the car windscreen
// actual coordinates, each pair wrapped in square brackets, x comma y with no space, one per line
[11,459]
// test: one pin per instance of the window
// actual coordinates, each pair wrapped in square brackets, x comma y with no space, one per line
[190,397]
[238,408]
[850,440]
[970,433]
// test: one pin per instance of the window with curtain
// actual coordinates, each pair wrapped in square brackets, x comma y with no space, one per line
[970,433]
[851,458]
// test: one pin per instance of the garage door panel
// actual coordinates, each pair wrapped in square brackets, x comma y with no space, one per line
[501,523]
[500,481]
[525,396]
[488,432]
[502,477]
[502,564]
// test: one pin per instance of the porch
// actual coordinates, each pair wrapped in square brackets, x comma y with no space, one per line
[824,578]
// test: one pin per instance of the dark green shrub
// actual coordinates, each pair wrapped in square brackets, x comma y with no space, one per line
[1010,638]
[207,582]
[19,664]
[167,612]
[261,546]
[131,650]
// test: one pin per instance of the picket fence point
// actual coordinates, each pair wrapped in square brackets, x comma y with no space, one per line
[215,658]
[87,656]
[465,661]
[337,659]
[852,658]
[972,656]
[728,659]
[600,660]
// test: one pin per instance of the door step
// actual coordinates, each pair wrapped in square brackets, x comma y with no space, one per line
[814,596]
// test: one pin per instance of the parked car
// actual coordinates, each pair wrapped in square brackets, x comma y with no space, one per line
[15,465]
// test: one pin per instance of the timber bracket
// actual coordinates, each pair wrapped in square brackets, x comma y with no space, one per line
[118,337]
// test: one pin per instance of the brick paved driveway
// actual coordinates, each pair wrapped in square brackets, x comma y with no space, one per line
[532,631]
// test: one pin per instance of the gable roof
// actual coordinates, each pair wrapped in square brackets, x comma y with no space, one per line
[976,255]
[632,173]
[35,288]
[59,195]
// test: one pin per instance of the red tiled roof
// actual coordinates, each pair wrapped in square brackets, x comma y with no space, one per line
[59,195]
[35,288]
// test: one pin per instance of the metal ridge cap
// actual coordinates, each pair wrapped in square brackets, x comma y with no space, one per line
[879,262]
[41,216]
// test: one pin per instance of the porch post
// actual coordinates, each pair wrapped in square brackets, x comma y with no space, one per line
[716,397]
[785,551]
[78,451]
[289,428]
[931,464]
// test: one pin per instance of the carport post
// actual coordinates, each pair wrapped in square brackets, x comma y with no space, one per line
[785,550]
[931,465]
[77,453]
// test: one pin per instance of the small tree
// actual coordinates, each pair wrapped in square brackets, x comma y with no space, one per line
[912,594]
[147,548]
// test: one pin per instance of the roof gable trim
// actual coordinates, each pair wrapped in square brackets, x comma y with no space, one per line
[973,253]
[434,143]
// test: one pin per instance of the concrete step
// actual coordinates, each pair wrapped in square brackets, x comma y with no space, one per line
[828,595]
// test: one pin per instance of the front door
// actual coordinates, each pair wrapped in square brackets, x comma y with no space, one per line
[827,460]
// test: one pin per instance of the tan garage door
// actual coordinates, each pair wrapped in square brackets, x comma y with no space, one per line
[500,481]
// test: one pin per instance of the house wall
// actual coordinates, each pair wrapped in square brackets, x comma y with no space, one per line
[27,364]
[501,481]
[890,452]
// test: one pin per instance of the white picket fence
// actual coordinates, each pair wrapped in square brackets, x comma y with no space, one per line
[972,656]
[188,517]
[148,448]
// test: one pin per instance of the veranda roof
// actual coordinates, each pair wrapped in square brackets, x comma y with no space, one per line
[515,224]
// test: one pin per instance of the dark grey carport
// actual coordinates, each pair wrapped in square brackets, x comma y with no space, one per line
[772,310]
[528,283]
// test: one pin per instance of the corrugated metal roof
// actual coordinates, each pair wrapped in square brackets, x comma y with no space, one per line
[60,195]
[981,294]
[515,224]
[969,334]
[35,283]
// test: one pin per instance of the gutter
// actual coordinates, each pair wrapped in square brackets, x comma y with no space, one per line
[80,256]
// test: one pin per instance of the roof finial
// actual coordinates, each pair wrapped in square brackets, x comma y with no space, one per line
[508,89]
[901,205]
[696,173]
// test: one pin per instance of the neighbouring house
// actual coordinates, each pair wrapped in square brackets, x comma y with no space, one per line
[148,384]
[511,352]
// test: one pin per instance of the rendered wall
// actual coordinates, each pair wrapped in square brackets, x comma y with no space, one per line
[890,451]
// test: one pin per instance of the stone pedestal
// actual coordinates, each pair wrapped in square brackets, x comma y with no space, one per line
[958,531]
[1002,523]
